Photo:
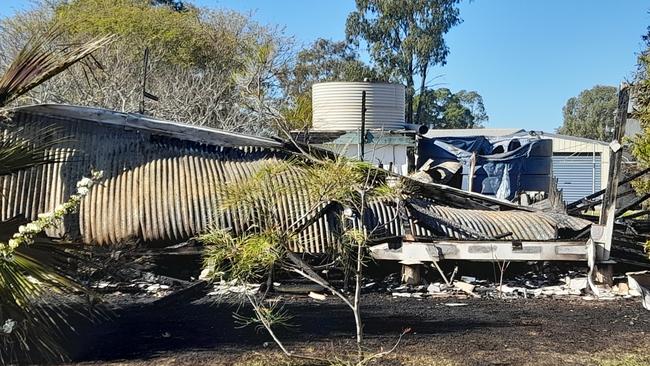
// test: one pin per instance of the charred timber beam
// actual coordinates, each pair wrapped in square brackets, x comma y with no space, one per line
[608,212]
[635,215]
[589,204]
[634,203]
[483,250]
[458,198]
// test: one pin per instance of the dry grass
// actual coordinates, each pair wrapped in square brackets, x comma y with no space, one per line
[641,358]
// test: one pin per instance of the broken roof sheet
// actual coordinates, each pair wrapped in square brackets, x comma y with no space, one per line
[463,132]
[489,225]
[199,134]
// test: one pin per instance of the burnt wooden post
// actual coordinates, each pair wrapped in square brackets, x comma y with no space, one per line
[145,93]
[362,134]
[608,210]
[145,63]
[411,272]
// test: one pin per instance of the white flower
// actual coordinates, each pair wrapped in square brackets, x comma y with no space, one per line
[97,174]
[82,190]
[60,209]
[34,228]
[22,229]
[45,215]
[13,244]
[85,182]
[8,326]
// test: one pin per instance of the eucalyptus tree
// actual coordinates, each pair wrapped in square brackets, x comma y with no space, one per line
[641,142]
[441,108]
[405,39]
[591,113]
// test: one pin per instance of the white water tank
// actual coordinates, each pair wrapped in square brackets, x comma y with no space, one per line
[336,106]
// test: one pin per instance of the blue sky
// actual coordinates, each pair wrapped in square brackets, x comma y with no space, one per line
[526,58]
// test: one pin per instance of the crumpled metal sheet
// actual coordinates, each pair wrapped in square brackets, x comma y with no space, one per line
[156,189]
[524,225]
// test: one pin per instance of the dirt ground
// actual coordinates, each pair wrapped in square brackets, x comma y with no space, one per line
[567,331]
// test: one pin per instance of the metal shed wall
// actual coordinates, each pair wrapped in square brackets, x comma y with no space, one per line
[568,145]
[577,175]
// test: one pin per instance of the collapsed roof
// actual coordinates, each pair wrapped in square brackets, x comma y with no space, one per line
[161,179]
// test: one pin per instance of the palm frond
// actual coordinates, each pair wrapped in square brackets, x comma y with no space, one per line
[17,153]
[34,320]
[37,62]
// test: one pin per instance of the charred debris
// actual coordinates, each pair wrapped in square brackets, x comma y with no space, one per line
[159,193]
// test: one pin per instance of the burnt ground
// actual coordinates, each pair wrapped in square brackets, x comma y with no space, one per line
[566,331]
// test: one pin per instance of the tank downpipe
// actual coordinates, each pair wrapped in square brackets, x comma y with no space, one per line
[420,129]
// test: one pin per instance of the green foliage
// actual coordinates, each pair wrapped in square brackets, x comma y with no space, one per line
[243,258]
[625,359]
[274,315]
[590,114]
[178,35]
[298,113]
[208,66]
[256,198]
[264,243]
[338,180]
[27,322]
[404,38]
[641,95]
[325,60]
[248,255]
[440,108]
[251,197]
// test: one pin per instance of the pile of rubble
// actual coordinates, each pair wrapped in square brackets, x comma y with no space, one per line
[529,285]
[144,288]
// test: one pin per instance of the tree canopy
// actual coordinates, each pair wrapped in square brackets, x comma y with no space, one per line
[223,69]
[208,66]
[590,114]
[441,108]
[641,95]
[405,39]
[192,37]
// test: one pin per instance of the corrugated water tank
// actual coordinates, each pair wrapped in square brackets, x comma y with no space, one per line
[337,106]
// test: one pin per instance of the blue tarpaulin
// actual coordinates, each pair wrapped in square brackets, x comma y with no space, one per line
[503,167]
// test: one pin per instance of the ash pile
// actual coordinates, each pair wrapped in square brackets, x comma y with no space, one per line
[552,281]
